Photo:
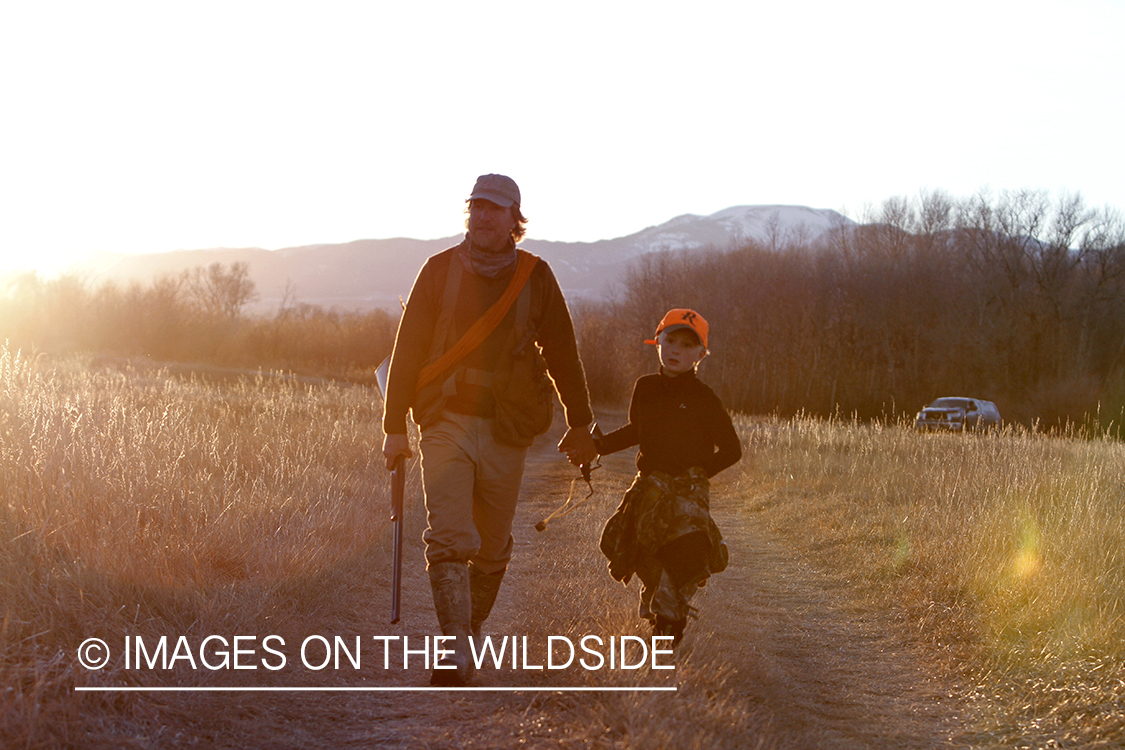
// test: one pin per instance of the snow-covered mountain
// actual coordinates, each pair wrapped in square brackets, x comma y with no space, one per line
[589,269]
[772,226]
[373,273]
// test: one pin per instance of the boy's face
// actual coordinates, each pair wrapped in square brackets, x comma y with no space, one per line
[680,351]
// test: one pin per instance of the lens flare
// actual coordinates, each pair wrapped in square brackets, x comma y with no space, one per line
[1027,561]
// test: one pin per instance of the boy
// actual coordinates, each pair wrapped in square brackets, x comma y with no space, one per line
[663,530]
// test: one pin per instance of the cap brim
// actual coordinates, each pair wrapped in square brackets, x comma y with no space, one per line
[496,198]
[681,326]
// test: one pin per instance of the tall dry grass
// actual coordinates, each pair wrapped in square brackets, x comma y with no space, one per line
[1005,551]
[134,502]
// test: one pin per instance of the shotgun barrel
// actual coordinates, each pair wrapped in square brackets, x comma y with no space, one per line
[398,486]
[398,489]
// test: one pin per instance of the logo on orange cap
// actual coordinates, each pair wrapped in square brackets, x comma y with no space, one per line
[682,317]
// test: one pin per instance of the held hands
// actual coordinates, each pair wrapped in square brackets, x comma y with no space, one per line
[578,445]
[394,446]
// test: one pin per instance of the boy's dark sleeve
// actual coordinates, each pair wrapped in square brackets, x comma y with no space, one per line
[618,440]
[727,443]
[623,437]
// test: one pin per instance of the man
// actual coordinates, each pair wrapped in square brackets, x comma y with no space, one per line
[482,322]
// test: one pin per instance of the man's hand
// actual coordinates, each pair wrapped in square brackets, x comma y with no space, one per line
[578,445]
[394,446]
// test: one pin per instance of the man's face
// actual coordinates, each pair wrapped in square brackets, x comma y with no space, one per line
[490,225]
[680,351]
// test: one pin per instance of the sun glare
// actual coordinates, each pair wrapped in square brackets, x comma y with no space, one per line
[47,265]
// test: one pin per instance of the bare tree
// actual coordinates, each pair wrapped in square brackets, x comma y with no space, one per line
[220,291]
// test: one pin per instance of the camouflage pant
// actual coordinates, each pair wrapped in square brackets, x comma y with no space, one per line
[663,532]
[660,595]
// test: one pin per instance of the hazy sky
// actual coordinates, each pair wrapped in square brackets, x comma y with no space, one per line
[154,126]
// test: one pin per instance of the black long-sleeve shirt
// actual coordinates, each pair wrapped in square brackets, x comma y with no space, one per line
[678,422]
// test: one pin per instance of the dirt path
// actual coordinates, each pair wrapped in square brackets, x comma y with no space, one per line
[792,667]
[828,677]
[813,673]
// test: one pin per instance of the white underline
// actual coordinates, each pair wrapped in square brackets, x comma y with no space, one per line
[134,689]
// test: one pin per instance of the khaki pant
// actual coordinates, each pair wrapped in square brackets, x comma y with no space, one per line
[472,484]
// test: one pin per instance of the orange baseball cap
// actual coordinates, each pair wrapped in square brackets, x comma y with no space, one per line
[682,317]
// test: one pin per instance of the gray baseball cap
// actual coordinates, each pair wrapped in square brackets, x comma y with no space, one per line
[497,188]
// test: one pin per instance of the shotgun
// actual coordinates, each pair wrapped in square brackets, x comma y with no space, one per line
[398,489]
[398,483]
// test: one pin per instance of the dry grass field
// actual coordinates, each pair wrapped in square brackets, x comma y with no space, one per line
[887,589]
[1005,554]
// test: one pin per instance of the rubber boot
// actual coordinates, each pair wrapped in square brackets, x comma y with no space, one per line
[450,584]
[483,588]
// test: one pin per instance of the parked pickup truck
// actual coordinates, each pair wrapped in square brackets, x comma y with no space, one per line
[958,414]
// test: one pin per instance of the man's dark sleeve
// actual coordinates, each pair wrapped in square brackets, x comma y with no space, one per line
[560,349]
[412,347]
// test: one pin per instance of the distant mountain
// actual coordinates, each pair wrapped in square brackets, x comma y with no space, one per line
[367,274]
[590,269]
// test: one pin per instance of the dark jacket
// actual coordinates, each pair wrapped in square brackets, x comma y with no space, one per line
[679,423]
[685,437]
[514,358]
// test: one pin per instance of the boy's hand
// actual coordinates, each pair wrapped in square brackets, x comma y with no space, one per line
[578,445]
